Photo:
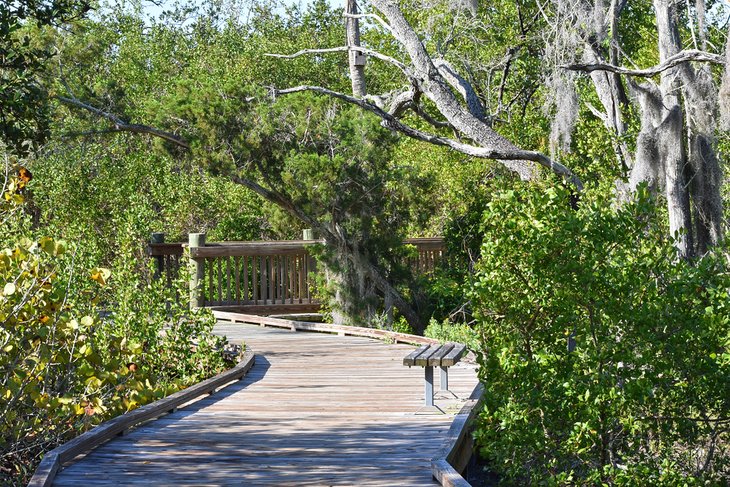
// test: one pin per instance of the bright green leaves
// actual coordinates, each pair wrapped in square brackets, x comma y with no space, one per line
[645,325]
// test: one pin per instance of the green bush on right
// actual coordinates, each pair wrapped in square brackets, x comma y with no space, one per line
[605,359]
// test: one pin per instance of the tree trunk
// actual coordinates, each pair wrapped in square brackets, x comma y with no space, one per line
[701,105]
[671,150]
[356,58]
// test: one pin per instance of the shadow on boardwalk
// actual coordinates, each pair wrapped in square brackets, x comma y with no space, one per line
[340,413]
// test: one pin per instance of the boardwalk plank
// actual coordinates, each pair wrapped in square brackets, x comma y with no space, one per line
[316,409]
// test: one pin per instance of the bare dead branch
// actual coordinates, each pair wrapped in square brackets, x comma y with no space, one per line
[120,125]
[402,101]
[462,86]
[89,133]
[439,124]
[679,58]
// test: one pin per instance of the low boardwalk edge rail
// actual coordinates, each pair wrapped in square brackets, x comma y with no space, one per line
[458,446]
[341,330]
[54,459]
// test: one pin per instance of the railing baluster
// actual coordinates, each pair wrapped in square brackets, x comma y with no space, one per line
[237,264]
[228,280]
[254,281]
[245,278]
[262,279]
[292,277]
[272,279]
[211,280]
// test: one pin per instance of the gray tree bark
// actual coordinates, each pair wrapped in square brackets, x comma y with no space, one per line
[669,131]
[356,58]
[675,149]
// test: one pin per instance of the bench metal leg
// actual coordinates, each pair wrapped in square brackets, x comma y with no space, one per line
[444,382]
[429,386]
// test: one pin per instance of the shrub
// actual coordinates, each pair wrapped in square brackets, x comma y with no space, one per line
[447,331]
[65,366]
[644,397]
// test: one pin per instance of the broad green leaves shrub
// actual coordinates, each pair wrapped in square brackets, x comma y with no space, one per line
[80,345]
[644,397]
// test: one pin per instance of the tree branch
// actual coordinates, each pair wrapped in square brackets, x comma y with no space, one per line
[462,86]
[122,126]
[512,154]
[677,59]
[428,118]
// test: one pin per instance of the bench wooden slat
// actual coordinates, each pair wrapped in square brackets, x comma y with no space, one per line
[423,359]
[437,357]
[454,355]
[410,359]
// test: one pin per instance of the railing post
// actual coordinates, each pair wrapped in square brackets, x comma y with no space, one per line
[156,238]
[309,266]
[197,271]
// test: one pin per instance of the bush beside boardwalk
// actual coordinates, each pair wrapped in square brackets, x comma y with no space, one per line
[64,368]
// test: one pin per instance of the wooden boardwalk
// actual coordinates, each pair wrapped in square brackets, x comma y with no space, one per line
[316,409]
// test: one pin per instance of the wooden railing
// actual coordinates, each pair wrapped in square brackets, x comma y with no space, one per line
[267,276]
[255,273]
[431,253]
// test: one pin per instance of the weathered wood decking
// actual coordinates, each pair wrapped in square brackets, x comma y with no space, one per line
[316,409]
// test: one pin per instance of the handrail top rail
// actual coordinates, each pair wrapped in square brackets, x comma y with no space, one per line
[264,247]
[412,241]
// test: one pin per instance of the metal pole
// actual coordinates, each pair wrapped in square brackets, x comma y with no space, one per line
[429,386]
[444,378]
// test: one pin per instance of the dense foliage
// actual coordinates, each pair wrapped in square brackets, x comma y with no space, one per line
[82,343]
[24,116]
[605,359]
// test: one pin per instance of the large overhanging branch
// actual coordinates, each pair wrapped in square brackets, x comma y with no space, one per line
[439,86]
[464,88]
[436,88]
[393,123]
[120,125]
[669,63]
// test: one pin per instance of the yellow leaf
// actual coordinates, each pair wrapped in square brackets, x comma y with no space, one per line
[60,247]
[100,275]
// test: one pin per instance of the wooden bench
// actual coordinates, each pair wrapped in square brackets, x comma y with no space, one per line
[430,356]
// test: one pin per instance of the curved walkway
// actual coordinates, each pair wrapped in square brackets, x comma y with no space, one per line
[316,409]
